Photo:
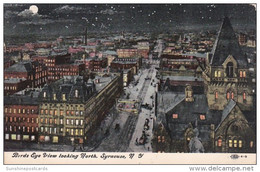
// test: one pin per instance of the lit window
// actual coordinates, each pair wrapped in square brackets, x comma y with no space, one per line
[81,122]
[232,95]
[5,110]
[76,132]
[175,116]
[64,97]
[41,111]
[76,93]
[44,94]
[55,112]
[54,97]
[240,143]
[230,143]
[216,95]
[163,139]
[251,144]
[219,74]
[235,143]
[202,117]
[219,142]
[244,96]
[241,74]
[72,122]
[51,112]
[244,74]
[228,95]
[50,121]
[67,112]
[76,122]
[67,121]
[61,112]
[159,139]
[72,132]
[81,132]
[216,74]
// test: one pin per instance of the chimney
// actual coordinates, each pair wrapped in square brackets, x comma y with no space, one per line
[189,94]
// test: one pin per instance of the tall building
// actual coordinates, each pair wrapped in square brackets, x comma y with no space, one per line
[71,109]
[227,73]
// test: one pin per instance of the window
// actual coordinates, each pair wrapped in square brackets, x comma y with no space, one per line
[67,112]
[229,70]
[244,96]
[216,73]
[5,110]
[219,142]
[55,112]
[67,121]
[76,132]
[72,122]
[72,131]
[51,112]
[41,129]
[42,111]
[61,121]
[240,143]
[251,144]
[235,143]
[44,94]
[50,120]
[163,139]
[61,112]
[54,97]
[76,93]
[54,130]
[241,74]
[244,74]
[81,132]
[46,112]
[232,95]
[175,116]
[202,117]
[55,121]
[64,97]
[81,122]
[219,74]
[76,122]
[230,143]
[228,95]
[216,95]
[159,139]
[46,120]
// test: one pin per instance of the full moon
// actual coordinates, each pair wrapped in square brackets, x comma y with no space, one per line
[34,9]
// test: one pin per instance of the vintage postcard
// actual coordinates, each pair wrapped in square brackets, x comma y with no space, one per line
[115,83]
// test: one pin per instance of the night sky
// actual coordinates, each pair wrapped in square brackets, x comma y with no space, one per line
[68,19]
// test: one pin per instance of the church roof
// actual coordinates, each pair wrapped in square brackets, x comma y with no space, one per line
[227,44]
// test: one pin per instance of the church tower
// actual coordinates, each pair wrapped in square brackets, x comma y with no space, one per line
[226,75]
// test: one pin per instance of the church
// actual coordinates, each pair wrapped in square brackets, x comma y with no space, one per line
[223,117]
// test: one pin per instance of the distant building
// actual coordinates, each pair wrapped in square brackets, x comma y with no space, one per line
[33,71]
[13,85]
[119,64]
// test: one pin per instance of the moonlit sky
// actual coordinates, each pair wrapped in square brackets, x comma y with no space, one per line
[65,19]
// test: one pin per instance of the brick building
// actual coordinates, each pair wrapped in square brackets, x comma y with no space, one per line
[21,116]
[33,71]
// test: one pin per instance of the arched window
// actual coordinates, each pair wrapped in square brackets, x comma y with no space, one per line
[241,74]
[216,95]
[230,69]
[219,142]
[219,74]
[76,93]
[232,95]
[228,95]
[244,74]
[244,95]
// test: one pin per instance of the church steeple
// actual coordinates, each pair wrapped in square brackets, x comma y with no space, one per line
[227,44]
